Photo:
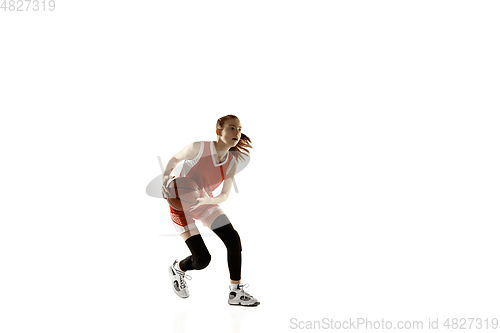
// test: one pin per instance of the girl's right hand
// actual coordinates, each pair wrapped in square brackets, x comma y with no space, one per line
[167,178]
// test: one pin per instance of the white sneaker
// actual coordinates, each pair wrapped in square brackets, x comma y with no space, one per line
[239,296]
[178,282]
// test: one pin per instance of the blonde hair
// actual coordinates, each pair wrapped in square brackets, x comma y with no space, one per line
[242,145]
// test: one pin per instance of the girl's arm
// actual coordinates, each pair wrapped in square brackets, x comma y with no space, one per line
[228,182]
[172,163]
[188,153]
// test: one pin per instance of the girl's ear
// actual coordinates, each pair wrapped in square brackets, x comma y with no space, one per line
[217,131]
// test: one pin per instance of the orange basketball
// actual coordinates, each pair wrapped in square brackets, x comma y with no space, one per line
[182,193]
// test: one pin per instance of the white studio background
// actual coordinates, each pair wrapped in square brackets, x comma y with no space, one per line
[372,189]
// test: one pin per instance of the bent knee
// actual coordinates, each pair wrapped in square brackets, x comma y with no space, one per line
[201,262]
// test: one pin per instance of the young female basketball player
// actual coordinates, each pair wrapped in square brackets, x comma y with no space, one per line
[209,163]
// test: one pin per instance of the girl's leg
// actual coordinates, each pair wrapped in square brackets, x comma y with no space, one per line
[237,293]
[223,228]
[200,257]
[185,225]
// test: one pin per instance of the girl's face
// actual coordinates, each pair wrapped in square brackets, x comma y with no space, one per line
[231,133]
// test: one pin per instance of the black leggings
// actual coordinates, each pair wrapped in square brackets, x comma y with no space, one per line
[200,257]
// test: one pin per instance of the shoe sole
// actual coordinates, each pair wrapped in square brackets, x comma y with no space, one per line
[249,305]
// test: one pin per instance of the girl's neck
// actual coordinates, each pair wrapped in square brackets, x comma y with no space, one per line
[221,147]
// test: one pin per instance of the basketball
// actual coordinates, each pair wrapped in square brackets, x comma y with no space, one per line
[182,193]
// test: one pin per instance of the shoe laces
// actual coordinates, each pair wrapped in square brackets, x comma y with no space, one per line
[245,294]
[182,277]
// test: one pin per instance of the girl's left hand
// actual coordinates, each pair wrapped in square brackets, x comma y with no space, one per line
[203,200]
